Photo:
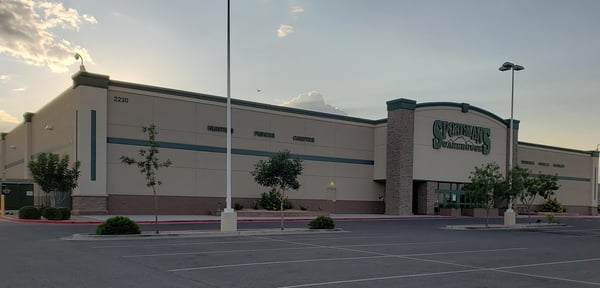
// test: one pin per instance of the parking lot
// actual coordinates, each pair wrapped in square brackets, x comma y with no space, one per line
[364,254]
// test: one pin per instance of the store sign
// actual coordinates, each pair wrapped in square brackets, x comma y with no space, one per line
[459,136]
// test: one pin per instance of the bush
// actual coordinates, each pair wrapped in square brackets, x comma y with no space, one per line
[271,201]
[552,205]
[118,225]
[29,212]
[51,213]
[41,209]
[321,222]
[238,206]
[65,213]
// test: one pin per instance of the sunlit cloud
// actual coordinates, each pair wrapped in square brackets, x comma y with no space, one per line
[7,118]
[313,101]
[26,33]
[284,30]
[297,9]
[4,77]
[19,89]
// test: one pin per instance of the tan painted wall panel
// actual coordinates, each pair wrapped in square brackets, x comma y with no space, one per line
[175,115]
[59,115]
[138,111]
[575,169]
[379,154]
[449,164]
[354,137]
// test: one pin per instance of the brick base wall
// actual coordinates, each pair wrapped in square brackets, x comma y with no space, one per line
[185,205]
[89,205]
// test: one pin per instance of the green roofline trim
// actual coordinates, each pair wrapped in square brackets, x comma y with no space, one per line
[90,79]
[402,103]
[591,153]
[238,102]
[465,107]
[247,152]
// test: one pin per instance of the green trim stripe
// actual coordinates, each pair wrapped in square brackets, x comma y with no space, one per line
[93,147]
[246,152]
[568,178]
[15,163]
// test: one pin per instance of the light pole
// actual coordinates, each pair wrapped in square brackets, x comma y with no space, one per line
[228,217]
[509,215]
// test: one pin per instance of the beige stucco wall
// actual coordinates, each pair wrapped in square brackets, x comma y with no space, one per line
[59,115]
[575,171]
[183,121]
[15,149]
[380,145]
[450,164]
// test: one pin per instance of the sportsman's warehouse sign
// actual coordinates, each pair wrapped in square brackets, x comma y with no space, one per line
[459,136]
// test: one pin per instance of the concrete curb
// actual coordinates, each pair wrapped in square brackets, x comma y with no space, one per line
[257,220]
[522,227]
[200,234]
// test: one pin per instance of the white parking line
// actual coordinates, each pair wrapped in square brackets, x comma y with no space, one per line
[280,249]
[436,274]
[379,278]
[375,256]
[275,262]
[181,244]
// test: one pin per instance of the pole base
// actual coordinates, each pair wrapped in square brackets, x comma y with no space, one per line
[228,221]
[510,218]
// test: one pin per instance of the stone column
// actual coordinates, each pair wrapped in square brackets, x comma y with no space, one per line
[2,155]
[400,142]
[28,117]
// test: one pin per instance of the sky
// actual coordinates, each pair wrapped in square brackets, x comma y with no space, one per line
[337,56]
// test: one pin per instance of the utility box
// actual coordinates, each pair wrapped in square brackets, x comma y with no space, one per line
[16,195]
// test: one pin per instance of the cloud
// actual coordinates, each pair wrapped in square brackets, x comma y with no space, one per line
[19,89]
[284,30]
[26,33]
[7,118]
[4,77]
[313,101]
[297,9]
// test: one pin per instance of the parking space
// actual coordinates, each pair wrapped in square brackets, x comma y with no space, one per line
[392,256]
[364,254]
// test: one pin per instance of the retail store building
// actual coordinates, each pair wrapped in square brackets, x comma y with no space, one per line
[400,165]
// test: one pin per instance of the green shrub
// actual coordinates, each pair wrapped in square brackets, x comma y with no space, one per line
[65,213]
[51,213]
[552,205]
[238,206]
[41,209]
[29,212]
[271,201]
[321,222]
[118,225]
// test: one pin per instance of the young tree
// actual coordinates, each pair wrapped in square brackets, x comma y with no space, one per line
[279,172]
[54,176]
[485,186]
[514,183]
[542,185]
[149,164]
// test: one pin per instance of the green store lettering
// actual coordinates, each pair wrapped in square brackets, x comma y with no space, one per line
[474,138]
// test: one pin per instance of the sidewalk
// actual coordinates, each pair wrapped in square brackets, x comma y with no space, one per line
[182,219]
